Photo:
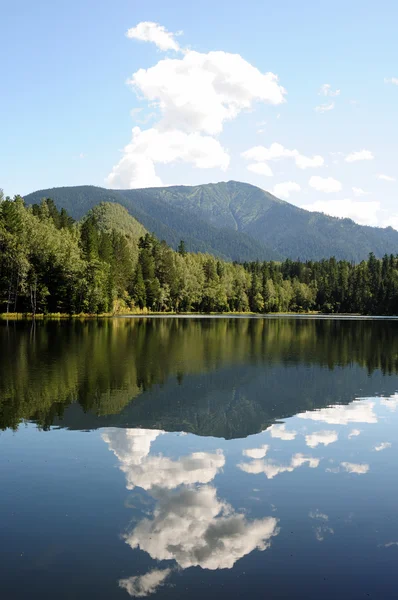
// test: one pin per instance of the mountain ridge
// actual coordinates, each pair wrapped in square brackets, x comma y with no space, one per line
[233,220]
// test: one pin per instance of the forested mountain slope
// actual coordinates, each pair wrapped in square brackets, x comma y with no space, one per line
[233,220]
[168,222]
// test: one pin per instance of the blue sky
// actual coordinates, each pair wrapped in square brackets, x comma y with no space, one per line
[200,101]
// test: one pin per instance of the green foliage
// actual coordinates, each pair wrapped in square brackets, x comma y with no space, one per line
[48,264]
[233,221]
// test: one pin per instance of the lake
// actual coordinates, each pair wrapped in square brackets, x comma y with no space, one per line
[191,458]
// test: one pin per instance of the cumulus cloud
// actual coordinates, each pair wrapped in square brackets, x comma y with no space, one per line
[385,177]
[263,155]
[272,468]
[354,433]
[339,414]
[359,469]
[325,184]
[131,447]
[194,95]
[322,108]
[382,446]
[256,452]
[200,92]
[147,31]
[326,90]
[393,80]
[321,437]
[195,528]
[279,431]
[260,169]
[144,585]
[136,169]
[365,213]
[283,190]
[360,155]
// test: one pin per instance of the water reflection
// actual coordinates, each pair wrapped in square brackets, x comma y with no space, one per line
[189,524]
[222,377]
[308,494]
[140,586]
[271,468]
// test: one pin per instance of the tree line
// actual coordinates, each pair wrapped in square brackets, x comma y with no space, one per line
[51,264]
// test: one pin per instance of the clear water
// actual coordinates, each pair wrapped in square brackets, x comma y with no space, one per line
[179,458]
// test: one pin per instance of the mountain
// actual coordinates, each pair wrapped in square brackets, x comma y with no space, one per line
[233,220]
[110,215]
[167,222]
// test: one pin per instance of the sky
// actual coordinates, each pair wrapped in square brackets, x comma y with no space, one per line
[298,98]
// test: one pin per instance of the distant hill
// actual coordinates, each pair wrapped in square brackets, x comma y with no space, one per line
[167,222]
[110,215]
[233,220]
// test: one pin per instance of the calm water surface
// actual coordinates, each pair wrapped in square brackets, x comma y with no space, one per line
[178,458]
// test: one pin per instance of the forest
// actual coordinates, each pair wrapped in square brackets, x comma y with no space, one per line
[50,263]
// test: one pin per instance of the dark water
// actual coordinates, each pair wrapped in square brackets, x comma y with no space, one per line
[179,458]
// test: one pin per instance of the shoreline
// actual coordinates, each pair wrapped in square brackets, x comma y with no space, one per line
[192,315]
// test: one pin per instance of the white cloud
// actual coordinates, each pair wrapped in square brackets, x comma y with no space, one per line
[393,80]
[360,469]
[147,31]
[325,184]
[200,92]
[82,155]
[144,585]
[322,108]
[271,468]
[326,90]
[382,446]
[279,431]
[193,95]
[256,452]
[365,213]
[195,528]
[354,433]
[385,177]
[321,437]
[283,190]
[147,148]
[340,414]
[360,155]
[260,169]
[359,192]
[131,447]
[276,151]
